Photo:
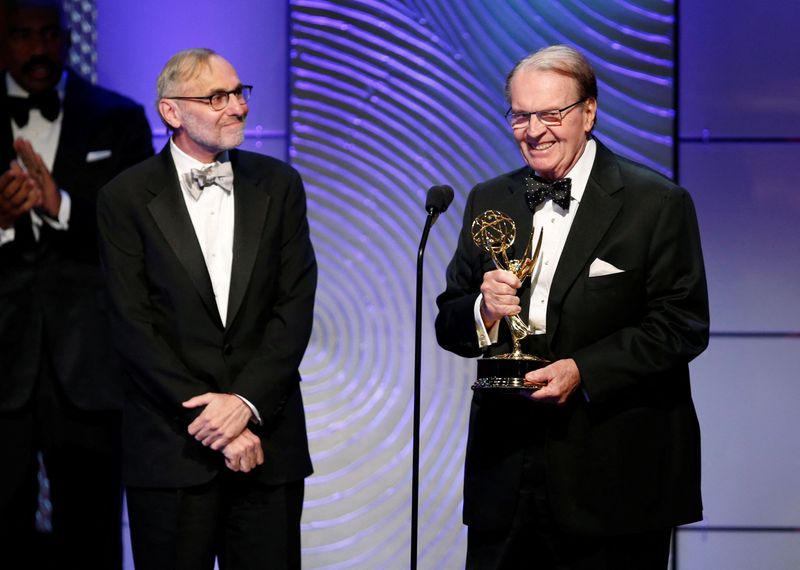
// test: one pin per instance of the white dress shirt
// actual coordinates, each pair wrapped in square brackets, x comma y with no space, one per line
[555,222]
[43,136]
[212,216]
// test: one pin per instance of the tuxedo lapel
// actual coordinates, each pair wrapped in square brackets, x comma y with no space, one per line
[7,153]
[597,211]
[251,203]
[172,218]
[72,141]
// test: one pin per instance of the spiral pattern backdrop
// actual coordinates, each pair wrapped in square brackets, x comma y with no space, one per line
[387,99]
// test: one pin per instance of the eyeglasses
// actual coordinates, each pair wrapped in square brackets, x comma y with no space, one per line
[220,99]
[552,118]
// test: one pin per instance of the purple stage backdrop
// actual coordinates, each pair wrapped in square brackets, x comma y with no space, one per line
[375,101]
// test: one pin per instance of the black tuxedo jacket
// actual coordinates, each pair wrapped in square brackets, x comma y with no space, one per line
[51,297]
[169,331]
[623,455]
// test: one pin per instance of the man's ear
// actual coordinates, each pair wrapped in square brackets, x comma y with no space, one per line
[589,114]
[170,113]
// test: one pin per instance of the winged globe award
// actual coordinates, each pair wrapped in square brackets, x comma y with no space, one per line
[495,232]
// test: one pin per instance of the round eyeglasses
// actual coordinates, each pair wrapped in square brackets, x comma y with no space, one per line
[220,99]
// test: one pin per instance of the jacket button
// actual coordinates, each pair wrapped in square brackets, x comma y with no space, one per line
[227,350]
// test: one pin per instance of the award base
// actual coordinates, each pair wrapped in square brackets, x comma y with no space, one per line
[507,372]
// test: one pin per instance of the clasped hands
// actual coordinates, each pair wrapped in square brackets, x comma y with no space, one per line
[559,379]
[222,426]
[27,185]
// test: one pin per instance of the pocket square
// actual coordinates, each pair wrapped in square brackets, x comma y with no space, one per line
[95,155]
[600,267]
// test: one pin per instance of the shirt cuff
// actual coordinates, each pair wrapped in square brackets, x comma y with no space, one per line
[256,419]
[62,223]
[486,337]
[7,235]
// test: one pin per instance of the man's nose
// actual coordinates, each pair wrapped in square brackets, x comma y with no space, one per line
[38,43]
[235,106]
[535,126]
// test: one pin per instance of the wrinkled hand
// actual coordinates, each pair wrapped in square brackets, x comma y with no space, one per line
[19,194]
[244,453]
[222,420]
[38,172]
[558,380]
[499,290]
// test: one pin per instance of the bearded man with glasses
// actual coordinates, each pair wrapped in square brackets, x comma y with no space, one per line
[592,467]
[212,277]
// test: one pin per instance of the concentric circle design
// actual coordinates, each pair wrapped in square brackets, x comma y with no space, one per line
[388,99]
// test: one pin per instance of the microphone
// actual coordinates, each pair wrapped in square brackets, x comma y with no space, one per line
[437,201]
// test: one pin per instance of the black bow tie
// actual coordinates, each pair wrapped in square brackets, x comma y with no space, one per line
[540,190]
[47,102]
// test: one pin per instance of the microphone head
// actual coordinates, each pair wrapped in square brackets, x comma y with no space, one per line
[438,199]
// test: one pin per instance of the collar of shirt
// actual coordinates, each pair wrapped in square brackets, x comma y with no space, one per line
[14,89]
[579,174]
[185,163]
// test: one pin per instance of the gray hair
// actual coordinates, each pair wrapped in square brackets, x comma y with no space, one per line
[182,66]
[561,59]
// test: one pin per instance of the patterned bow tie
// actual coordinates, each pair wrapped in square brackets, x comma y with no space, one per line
[47,102]
[219,173]
[540,190]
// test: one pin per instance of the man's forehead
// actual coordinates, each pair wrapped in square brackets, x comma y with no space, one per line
[540,84]
[215,74]
[33,17]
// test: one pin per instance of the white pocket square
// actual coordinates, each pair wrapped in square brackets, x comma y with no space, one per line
[95,155]
[600,267]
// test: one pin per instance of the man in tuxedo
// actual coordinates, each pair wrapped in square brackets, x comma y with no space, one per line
[61,139]
[594,467]
[212,277]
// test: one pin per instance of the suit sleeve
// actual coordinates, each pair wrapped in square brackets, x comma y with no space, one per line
[674,324]
[270,376]
[455,322]
[153,365]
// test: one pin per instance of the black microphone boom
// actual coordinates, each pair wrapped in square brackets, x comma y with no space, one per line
[437,201]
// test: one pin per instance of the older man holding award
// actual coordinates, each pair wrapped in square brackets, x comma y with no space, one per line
[585,270]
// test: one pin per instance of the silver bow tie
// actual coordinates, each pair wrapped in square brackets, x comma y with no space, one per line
[219,173]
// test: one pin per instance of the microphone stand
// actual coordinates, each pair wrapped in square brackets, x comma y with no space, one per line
[432,215]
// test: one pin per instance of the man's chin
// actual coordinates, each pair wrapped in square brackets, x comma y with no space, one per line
[37,83]
[230,142]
